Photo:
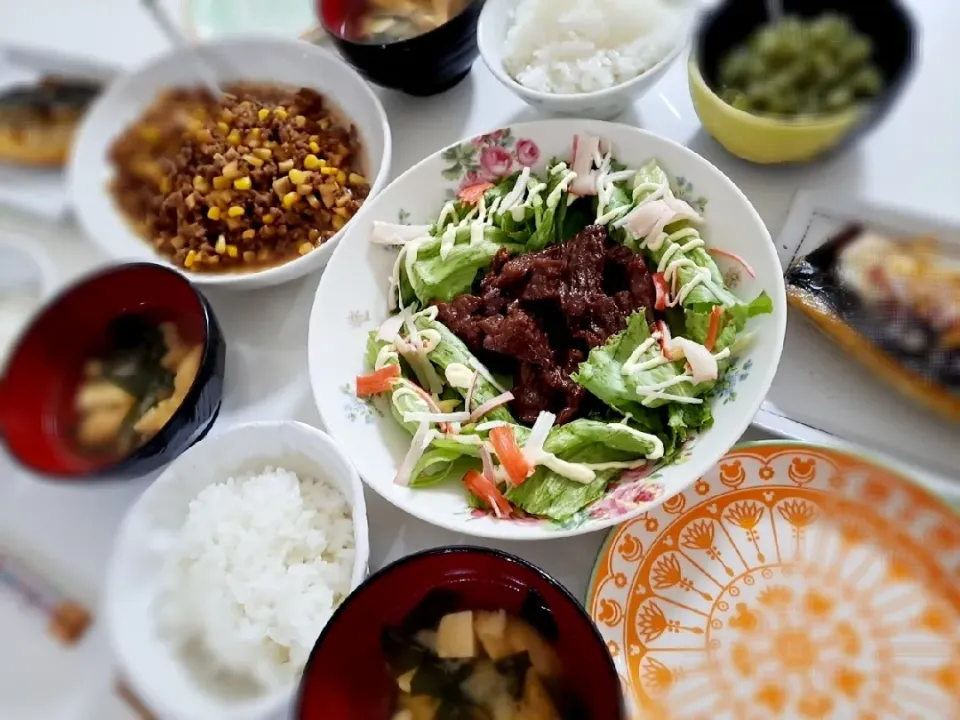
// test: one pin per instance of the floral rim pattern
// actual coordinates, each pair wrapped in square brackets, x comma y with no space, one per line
[487,158]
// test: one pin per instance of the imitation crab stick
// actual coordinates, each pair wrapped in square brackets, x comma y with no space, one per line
[378,382]
[663,292]
[511,456]
[480,486]
[713,330]
[473,193]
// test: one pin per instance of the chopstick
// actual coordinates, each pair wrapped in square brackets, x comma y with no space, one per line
[68,620]
[127,695]
[167,26]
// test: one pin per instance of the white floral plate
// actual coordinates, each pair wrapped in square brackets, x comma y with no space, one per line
[352,300]
[791,581]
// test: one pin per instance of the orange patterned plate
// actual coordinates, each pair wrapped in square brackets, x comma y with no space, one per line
[791,581]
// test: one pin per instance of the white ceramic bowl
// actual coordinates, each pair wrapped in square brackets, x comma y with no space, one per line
[150,664]
[351,301]
[291,63]
[496,20]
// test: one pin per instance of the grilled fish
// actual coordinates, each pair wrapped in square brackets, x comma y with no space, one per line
[893,304]
[38,122]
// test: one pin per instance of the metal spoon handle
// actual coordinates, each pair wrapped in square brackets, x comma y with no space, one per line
[167,26]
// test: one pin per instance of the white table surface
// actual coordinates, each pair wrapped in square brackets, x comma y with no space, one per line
[911,160]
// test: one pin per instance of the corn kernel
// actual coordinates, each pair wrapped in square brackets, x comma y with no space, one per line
[193,124]
[235,211]
[149,133]
[300,121]
[324,123]
[313,234]
[338,222]
[232,251]
[314,138]
[205,136]
[227,115]
[253,160]
[280,112]
[242,183]
[221,183]
[298,177]
[213,213]
[314,147]
[263,114]
[289,199]
[231,170]
[249,234]
[223,127]
[221,246]
[234,137]
[305,248]
[285,166]
[249,256]
[341,177]
[357,179]
[200,183]
[267,219]
[190,258]
[342,212]
[311,162]
[165,185]
[213,260]
[263,153]
[328,171]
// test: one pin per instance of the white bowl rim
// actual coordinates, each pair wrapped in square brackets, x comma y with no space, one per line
[494,62]
[47,275]
[272,702]
[777,332]
[274,274]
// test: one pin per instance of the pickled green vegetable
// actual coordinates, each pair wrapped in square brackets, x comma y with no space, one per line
[801,66]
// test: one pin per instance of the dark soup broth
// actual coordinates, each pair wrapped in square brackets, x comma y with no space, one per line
[131,388]
[469,664]
[387,21]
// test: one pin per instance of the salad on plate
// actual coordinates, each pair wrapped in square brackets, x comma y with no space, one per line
[552,333]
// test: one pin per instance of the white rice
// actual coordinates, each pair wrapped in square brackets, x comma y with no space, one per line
[261,563]
[575,46]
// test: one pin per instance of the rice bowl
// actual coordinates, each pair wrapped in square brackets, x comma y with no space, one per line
[249,544]
[576,46]
[582,59]
[172,620]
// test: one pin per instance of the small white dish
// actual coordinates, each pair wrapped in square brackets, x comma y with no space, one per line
[149,663]
[292,63]
[27,280]
[351,301]
[496,20]
[283,18]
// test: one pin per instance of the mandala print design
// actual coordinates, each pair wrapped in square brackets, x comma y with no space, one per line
[787,584]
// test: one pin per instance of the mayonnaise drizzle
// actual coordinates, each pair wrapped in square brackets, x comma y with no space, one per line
[459,375]
[553,199]
[387,355]
[449,209]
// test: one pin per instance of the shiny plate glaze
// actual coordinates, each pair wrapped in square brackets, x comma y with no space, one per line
[790,581]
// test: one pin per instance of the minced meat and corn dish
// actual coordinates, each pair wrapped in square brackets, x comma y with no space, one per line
[253,179]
